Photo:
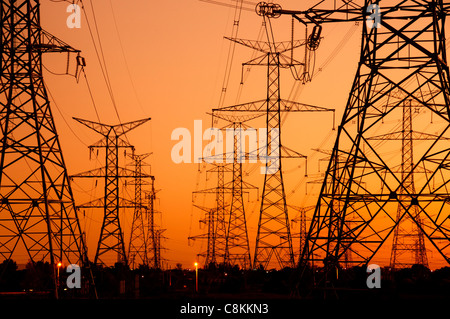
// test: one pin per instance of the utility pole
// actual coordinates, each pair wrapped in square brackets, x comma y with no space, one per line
[111,234]
[37,208]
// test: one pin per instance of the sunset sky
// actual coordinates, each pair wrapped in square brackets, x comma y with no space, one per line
[166,60]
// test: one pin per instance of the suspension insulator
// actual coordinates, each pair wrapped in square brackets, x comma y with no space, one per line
[268,9]
[314,38]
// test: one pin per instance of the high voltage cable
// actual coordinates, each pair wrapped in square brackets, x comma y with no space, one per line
[62,115]
[101,57]
[125,59]
[246,73]
[226,79]
[107,79]
[91,95]
[231,50]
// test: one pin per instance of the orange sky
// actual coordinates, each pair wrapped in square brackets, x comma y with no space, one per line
[169,65]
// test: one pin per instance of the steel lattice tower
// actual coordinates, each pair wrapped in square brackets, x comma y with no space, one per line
[209,220]
[273,240]
[215,218]
[37,211]
[157,260]
[237,250]
[111,234]
[408,235]
[403,58]
[138,245]
[221,215]
[302,220]
[238,247]
[408,244]
[152,230]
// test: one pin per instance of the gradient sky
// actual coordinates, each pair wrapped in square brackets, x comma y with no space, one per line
[166,60]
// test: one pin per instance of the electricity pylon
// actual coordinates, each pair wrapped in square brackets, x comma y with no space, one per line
[408,235]
[408,244]
[215,218]
[302,220]
[157,259]
[37,211]
[138,245]
[273,238]
[152,230]
[361,217]
[237,250]
[111,234]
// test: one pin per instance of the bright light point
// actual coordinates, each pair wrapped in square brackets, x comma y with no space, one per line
[59,264]
[195,264]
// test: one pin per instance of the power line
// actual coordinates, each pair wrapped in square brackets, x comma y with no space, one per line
[62,115]
[100,56]
[125,59]
[231,50]
[91,95]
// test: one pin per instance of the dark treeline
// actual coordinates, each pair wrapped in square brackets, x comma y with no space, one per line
[37,280]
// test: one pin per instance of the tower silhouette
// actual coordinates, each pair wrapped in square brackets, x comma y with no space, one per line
[216,217]
[237,251]
[37,212]
[111,234]
[408,245]
[138,247]
[273,246]
[403,60]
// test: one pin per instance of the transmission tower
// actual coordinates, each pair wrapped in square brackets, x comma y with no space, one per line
[209,236]
[215,218]
[138,246]
[221,214]
[237,250]
[302,220]
[157,264]
[152,230]
[273,238]
[388,77]
[38,216]
[111,234]
[408,245]
[408,235]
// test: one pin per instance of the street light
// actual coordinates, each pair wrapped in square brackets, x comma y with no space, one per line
[58,265]
[196,276]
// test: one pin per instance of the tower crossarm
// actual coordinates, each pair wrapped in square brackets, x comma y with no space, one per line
[265,47]
[234,118]
[119,143]
[50,43]
[415,136]
[105,130]
[100,203]
[343,11]
[285,106]
[102,172]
